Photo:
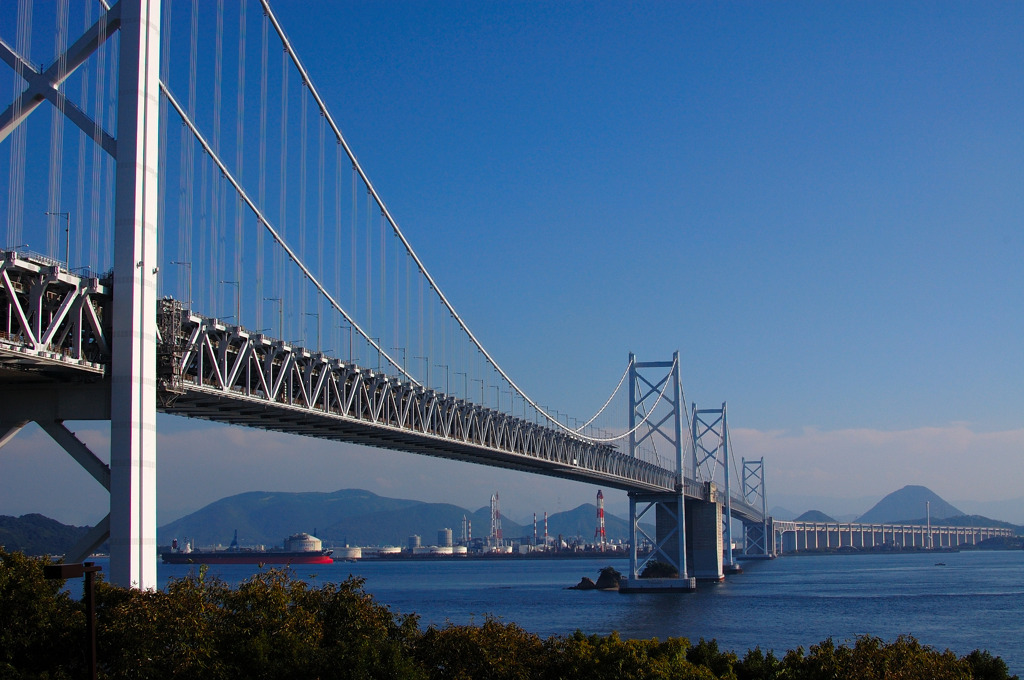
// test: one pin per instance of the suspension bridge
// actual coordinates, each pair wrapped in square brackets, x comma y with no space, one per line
[208,229]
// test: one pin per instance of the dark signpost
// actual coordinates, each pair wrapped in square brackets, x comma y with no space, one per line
[87,569]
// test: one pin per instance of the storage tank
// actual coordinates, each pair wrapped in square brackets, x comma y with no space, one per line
[444,538]
[348,553]
[414,542]
[303,542]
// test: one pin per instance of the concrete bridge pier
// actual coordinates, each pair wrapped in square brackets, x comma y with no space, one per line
[704,547]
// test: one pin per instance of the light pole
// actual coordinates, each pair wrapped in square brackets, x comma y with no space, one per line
[465,384]
[426,366]
[280,316]
[446,383]
[349,327]
[404,358]
[317,315]
[376,344]
[189,266]
[481,381]
[67,237]
[238,300]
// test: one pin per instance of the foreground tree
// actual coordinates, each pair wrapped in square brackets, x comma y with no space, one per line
[41,629]
[275,626]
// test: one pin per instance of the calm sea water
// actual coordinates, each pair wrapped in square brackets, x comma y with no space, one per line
[976,600]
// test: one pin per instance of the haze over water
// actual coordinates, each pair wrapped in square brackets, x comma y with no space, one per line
[973,600]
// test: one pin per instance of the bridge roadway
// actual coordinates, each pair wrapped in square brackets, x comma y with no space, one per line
[53,347]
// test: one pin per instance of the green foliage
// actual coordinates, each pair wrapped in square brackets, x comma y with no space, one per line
[870,658]
[275,626]
[41,628]
[706,654]
[494,650]
[984,666]
[757,665]
[610,658]
[270,626]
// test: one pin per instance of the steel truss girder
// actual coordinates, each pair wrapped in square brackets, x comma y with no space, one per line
[227,374]
[49,317]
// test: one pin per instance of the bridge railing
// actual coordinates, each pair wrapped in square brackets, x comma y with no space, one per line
[49,314]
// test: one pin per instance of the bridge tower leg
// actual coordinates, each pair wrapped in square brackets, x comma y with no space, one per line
[710,437]
[669,542]
[133,386]
[758,538]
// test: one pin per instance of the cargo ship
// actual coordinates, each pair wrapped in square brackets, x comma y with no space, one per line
[301,548]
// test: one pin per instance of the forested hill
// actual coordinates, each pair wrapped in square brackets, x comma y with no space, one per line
[38,535]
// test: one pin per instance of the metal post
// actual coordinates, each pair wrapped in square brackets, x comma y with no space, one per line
[426,367]
[90,615]
[238,301]
[133,371]
[404,358]
[446,382]
[189,266]
[280,316]
[67,237]
[317,315]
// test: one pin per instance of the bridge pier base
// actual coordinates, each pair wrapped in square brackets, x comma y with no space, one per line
[668,545]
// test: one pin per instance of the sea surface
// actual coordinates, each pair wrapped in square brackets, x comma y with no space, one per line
[972,600]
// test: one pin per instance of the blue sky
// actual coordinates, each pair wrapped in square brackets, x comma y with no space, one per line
[818,204]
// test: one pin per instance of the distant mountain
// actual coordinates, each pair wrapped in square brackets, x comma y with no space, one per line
[267,517]
[968,521]
[359,517]
[1011,510]
[779,512]
[582,521]
[38,535]
[815,516]
[907,503]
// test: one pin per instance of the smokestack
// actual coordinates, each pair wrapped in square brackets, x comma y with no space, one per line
[545,528]
[495,521]
[599,532]
[535,529]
